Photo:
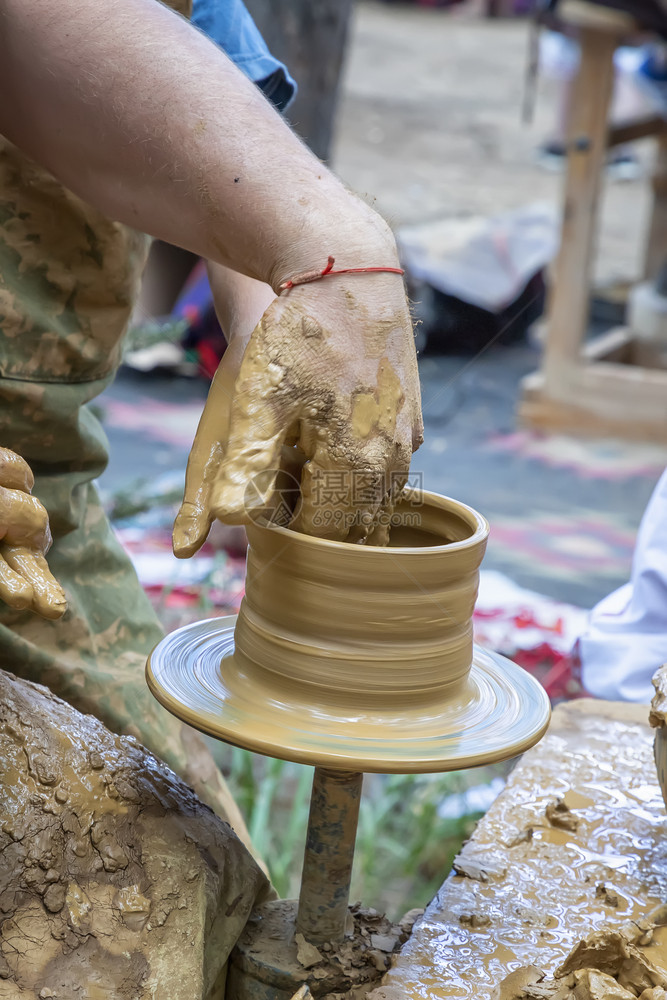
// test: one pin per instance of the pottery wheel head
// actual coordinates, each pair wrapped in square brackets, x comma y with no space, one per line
[501,712]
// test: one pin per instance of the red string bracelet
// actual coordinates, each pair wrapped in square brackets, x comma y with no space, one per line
[303,279]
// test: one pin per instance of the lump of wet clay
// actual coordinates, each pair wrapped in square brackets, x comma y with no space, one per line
[614,953]
[530,983]
[606,965]
[514,985]
[479,862]
[590,984]
[111,870]
[606,895]
[560,816]
[658,713]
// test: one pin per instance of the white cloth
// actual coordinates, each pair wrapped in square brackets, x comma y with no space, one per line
[626,638]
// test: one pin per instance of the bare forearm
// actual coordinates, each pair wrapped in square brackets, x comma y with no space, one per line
[142,116]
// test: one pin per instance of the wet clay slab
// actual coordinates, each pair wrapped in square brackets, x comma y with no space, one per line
[576,843]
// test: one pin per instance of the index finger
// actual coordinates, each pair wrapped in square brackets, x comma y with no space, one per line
[195,517]
[48,597]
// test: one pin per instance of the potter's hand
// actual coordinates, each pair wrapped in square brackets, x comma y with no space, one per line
[25,580]
[331,370]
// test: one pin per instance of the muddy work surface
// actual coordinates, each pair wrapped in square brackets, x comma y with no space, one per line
[574,850]
[115,881]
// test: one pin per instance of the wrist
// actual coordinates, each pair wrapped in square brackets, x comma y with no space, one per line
[360,238]
[240,302]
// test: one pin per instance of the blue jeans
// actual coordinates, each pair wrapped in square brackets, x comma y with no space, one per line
[229,25]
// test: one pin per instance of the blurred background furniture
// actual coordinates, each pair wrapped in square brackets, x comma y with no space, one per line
[615,384]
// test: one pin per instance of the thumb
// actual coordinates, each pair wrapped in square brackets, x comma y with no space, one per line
[48,597]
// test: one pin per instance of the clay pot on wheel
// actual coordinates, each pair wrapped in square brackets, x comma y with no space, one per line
[363,626]
[355,656]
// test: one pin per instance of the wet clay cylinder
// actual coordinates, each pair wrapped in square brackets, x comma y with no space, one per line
[329,853]
[359,625]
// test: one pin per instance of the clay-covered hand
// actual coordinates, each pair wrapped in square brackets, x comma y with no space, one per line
[25,537]
[328,378]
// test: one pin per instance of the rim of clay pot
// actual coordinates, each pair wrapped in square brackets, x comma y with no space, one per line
[478,524]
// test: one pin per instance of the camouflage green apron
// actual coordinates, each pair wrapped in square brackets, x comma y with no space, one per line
[68,281]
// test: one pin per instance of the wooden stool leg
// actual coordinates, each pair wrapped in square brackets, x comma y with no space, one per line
[656,246]
[587,146]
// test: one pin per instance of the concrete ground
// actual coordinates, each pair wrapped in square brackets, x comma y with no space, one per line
[429,128]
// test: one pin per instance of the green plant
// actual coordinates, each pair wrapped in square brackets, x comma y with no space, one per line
[274,797]
[404,847]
